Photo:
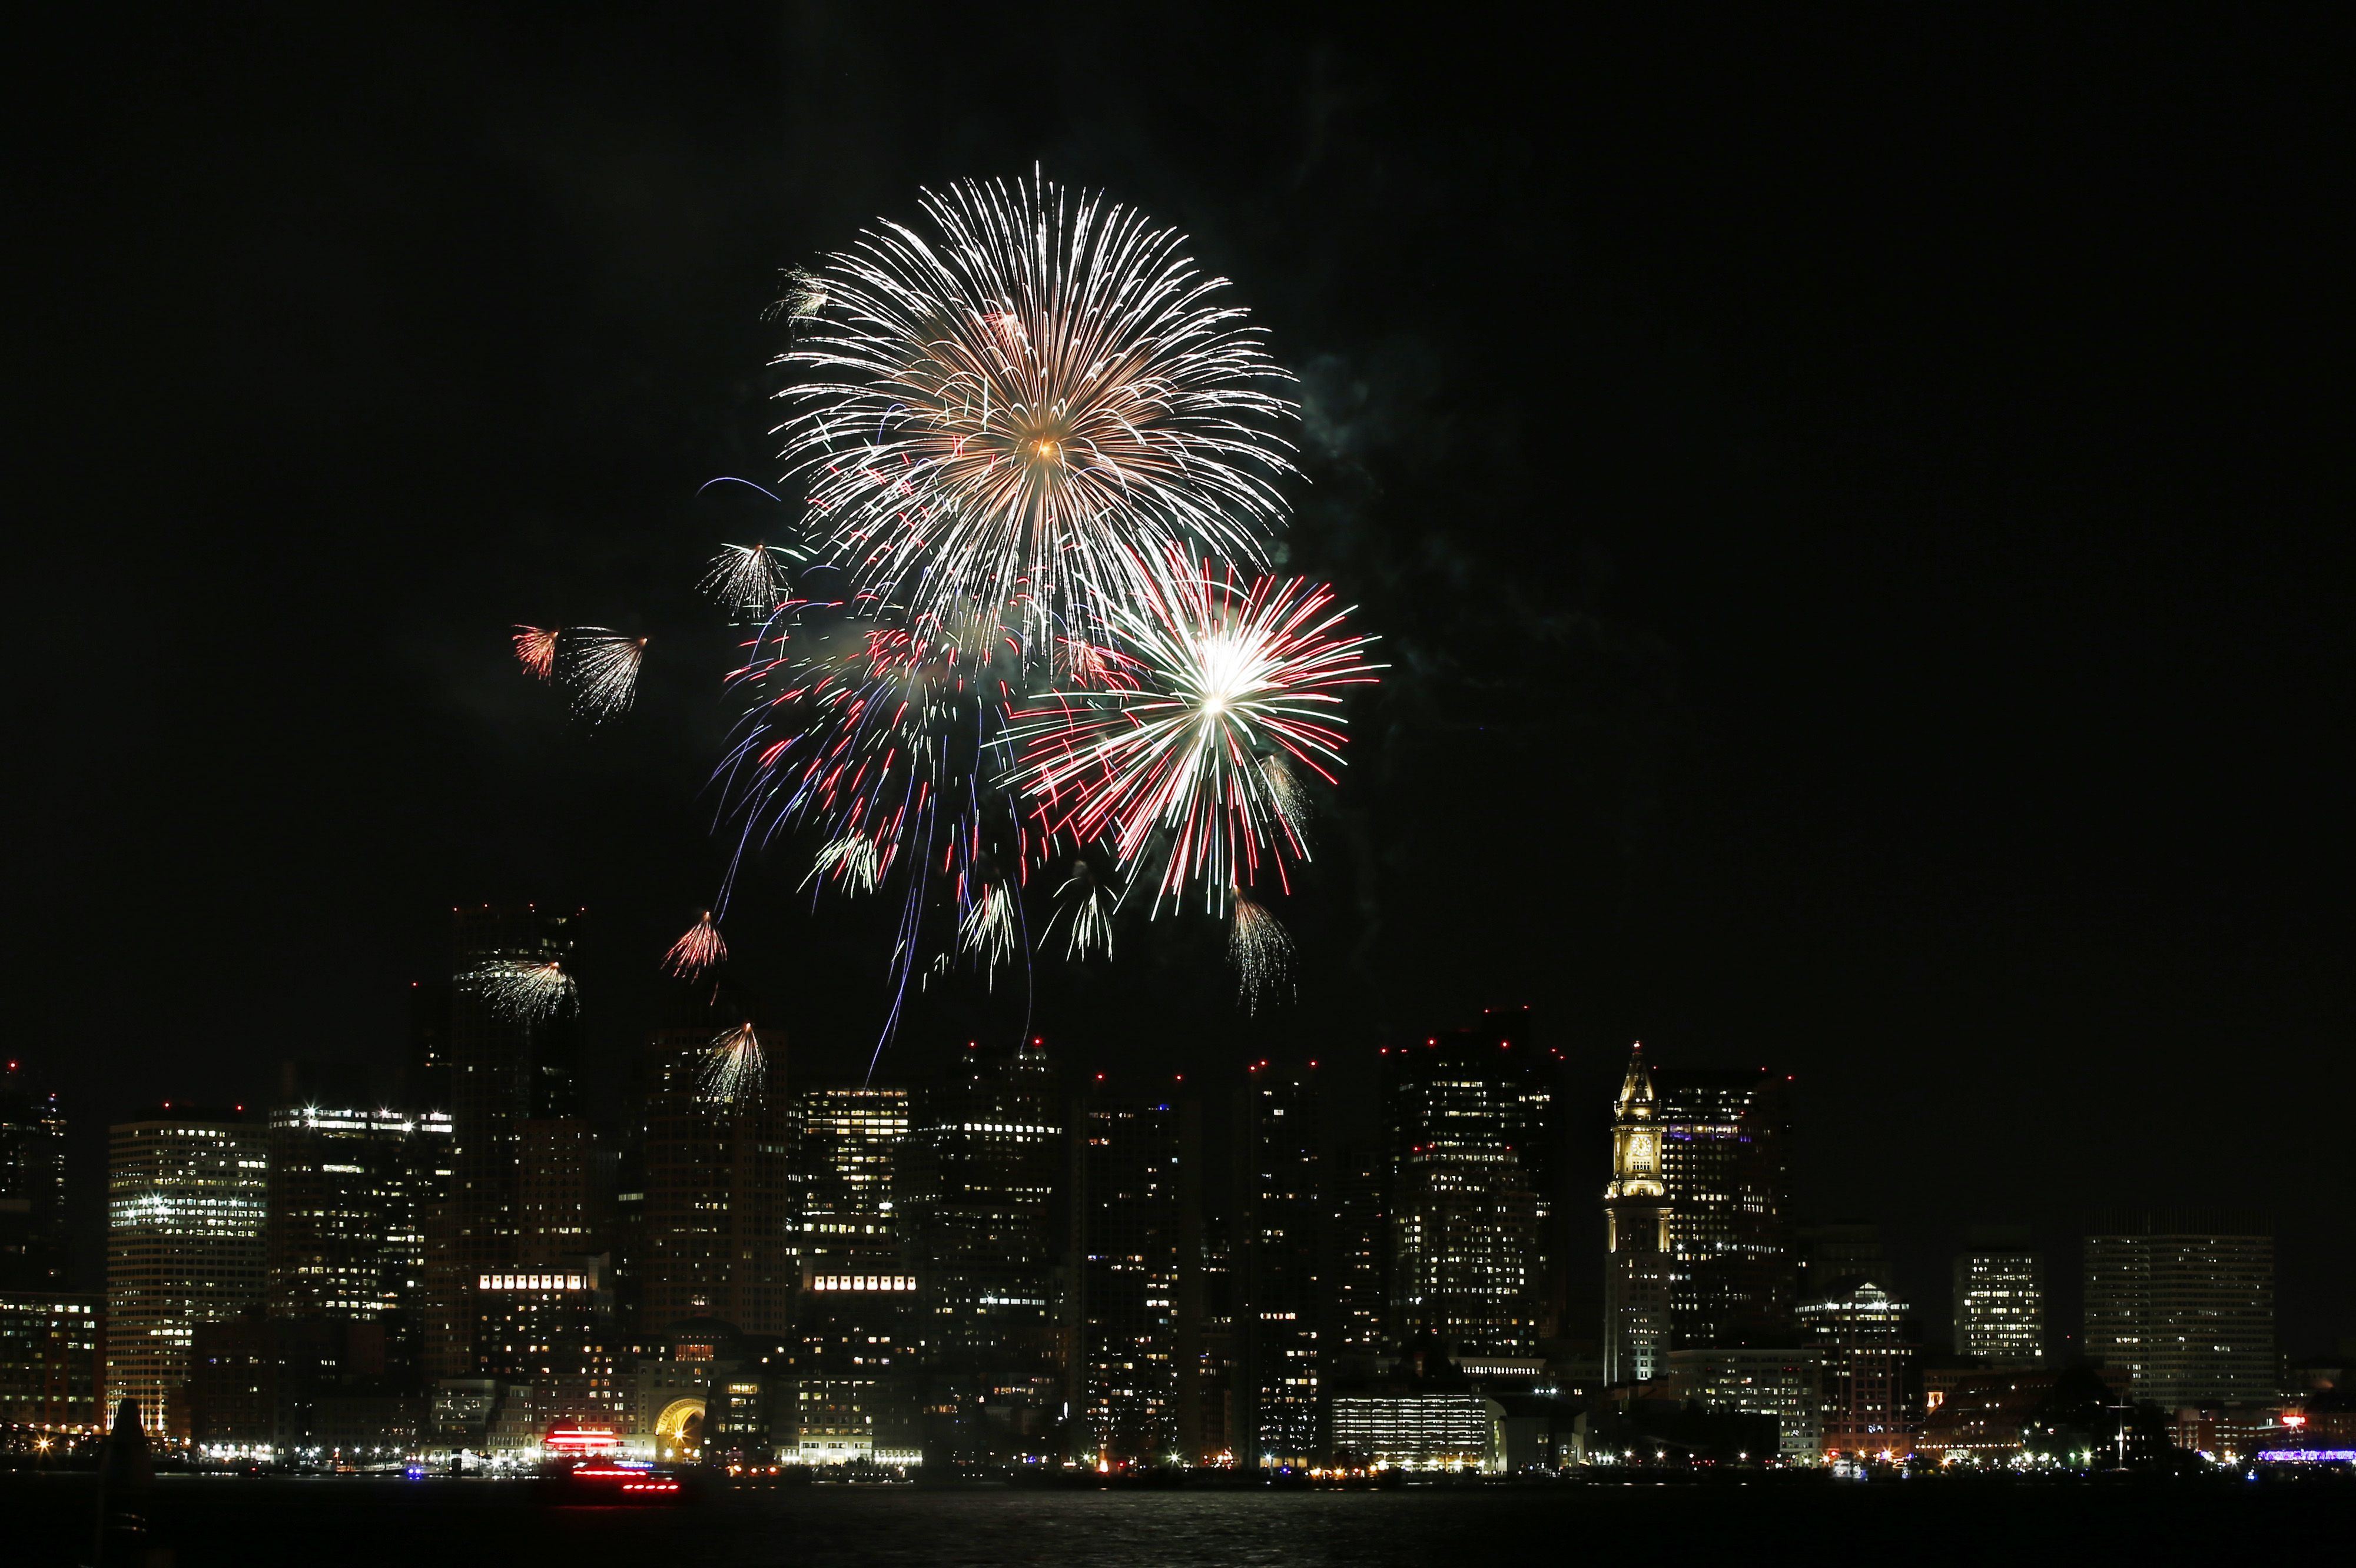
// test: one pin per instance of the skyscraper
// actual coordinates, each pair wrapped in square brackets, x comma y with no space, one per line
[1637,1332]
[1473,1167]
[857,1331]
[347,1191]
[510,1058]
[2000,1300]
[1358,1204]
[1870,1355]
[186,1196]
[1697,1249]
[2183,1302]
[717,1204]
[1281,1243]
[985,1159]
[32,1185]
[1126,1226]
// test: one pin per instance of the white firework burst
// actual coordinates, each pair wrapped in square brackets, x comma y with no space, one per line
[600,669]
[1261,952]
[735,1067]
[519,988]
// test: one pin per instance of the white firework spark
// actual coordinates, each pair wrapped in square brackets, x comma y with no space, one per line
[1037,402]
[853,861]
[1261,953]
[736,1068]
[987,930]
[520,989]
[601,669]
[1091,911]
[748,581]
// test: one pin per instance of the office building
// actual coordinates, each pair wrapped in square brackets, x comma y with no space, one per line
[2000,1300]
[348,1192]
[509,1053]
[1420,1432]
[1872,1403]
[51,1370]
[1359,1226]
[1474,1202]
[186,1200]
[1279,1294]
[1124,1200]
[2184,1302]
[1787,1384]
[562,1192]
[32,1185]
[554,1329]
[985,1159]
[854,1388]
[717,1205]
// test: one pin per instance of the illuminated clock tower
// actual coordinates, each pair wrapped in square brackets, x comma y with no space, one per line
[1635,1218]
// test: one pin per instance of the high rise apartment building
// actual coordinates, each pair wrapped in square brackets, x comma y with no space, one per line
[1123,1301]
[856,1339]
[186,1199]
[2183,1302]
[2000,1300]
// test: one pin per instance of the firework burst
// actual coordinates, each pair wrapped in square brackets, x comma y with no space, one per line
[1260,952]
[748,581]
[1037,404]
[735,1067]
[517,988]
[853,863]
[535,649]
[697,951]
[600,669]
[1171,758]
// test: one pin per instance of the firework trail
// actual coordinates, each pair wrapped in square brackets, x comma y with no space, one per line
[697,951]
[1168,760]
[734,1068]
[748,581]
[1091,911]
[1260,952]
[534,992]
[987,930]
[1034,404]
[535,649]
[852,862]
[601,667]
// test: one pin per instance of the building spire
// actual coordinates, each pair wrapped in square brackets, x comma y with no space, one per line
[1636,1089]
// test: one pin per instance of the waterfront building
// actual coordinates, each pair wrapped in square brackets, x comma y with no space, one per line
[1420,1432]
[51,1369]
[2000,1300]
[1872,1395]
[186,1201]
[2184,1302]
[554,1329]
[849,1390]
[1785,1383]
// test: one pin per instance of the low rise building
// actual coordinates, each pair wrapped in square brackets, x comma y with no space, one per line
[1785,1383]
[1420,1432]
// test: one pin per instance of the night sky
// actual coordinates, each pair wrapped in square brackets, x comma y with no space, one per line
[1853,508]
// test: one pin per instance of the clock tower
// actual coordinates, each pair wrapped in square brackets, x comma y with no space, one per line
[1635,1219]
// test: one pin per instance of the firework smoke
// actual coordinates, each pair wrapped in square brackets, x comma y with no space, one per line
[697,951]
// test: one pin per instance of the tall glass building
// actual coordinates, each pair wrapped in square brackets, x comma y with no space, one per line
[186,1204]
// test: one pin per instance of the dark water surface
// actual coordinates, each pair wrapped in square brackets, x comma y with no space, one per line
[348,1523]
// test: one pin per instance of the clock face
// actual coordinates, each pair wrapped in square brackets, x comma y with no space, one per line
[1640,1151]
